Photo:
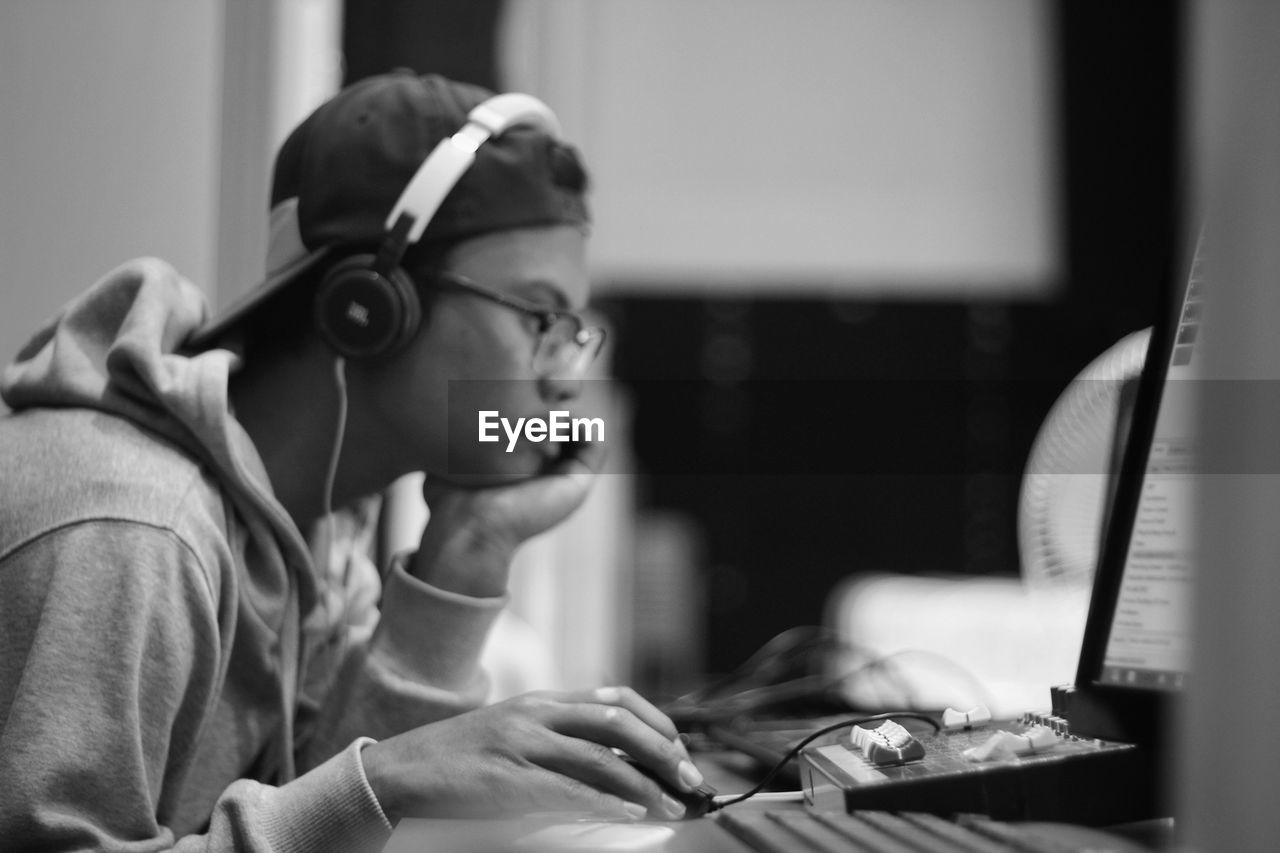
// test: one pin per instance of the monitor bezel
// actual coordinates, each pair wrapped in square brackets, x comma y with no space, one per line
[1116,711]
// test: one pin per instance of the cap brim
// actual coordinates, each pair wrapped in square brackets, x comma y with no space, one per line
[211,332]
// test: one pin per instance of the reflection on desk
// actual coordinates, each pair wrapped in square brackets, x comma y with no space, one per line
[759,829]
[703,835]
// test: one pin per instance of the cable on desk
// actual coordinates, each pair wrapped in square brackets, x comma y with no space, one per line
[720,803]
[762,796]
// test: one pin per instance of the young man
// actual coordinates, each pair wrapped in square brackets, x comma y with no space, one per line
[175,671]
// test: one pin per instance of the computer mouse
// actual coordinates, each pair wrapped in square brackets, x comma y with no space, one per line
[696,802]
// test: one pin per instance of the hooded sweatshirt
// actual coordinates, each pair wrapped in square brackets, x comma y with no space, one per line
[163,658]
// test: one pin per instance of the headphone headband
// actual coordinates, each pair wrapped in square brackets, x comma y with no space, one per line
[452,156]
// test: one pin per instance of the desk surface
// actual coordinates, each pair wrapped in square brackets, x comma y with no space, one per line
[703,835]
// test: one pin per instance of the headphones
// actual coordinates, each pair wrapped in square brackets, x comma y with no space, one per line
[366,305]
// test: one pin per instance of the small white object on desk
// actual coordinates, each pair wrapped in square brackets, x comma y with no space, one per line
[1006,744]
[979,715]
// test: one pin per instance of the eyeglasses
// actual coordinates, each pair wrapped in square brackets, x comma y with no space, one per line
[565,344]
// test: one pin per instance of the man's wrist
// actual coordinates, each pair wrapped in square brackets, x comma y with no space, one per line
[463,563]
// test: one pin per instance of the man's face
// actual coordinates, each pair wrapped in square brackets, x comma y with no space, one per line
[491,347]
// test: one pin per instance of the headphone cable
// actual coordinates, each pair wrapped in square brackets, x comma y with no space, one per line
[331,473]
[291,680]
[330,477]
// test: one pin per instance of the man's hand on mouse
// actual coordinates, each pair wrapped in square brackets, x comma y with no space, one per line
[473,532]
[541,752]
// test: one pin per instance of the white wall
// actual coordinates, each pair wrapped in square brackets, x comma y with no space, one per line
[146,127]
[108,146]
[283,59]
[812,145]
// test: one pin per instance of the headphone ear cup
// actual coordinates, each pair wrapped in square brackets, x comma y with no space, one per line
[361,313]
[410,303]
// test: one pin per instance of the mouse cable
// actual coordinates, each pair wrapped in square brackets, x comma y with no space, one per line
[810,738]
[721,800]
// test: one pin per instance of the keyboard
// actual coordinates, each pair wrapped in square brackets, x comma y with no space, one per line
[803,830]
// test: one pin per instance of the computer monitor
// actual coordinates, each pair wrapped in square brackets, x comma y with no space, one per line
[1148,642]
[1136,653]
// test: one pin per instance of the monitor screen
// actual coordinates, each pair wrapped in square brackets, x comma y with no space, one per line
[1137,636]
[1148,641]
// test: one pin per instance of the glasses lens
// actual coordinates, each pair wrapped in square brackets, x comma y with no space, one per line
[567,347]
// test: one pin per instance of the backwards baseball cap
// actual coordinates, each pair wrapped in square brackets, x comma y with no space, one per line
[340,172]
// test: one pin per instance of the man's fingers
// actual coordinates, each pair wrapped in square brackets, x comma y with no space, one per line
[585,762]
[618,727]
[554,790]
[627,698]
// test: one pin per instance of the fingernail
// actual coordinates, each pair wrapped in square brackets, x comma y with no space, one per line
[674,808]
[689,774]
[635,811]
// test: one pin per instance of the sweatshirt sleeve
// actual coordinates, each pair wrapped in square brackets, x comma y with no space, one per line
[421,664]
[111,656]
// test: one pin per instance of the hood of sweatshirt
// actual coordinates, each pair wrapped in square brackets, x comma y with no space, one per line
[118,348]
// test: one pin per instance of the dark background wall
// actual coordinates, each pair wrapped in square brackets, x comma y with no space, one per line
[823,437]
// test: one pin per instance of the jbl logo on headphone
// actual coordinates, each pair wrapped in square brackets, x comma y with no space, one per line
[358,314]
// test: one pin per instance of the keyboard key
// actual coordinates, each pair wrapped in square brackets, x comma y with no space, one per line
[814,834]
[758,832]
[858,831]
[956,837]
[903,831]
[1015,837]
[810,831]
